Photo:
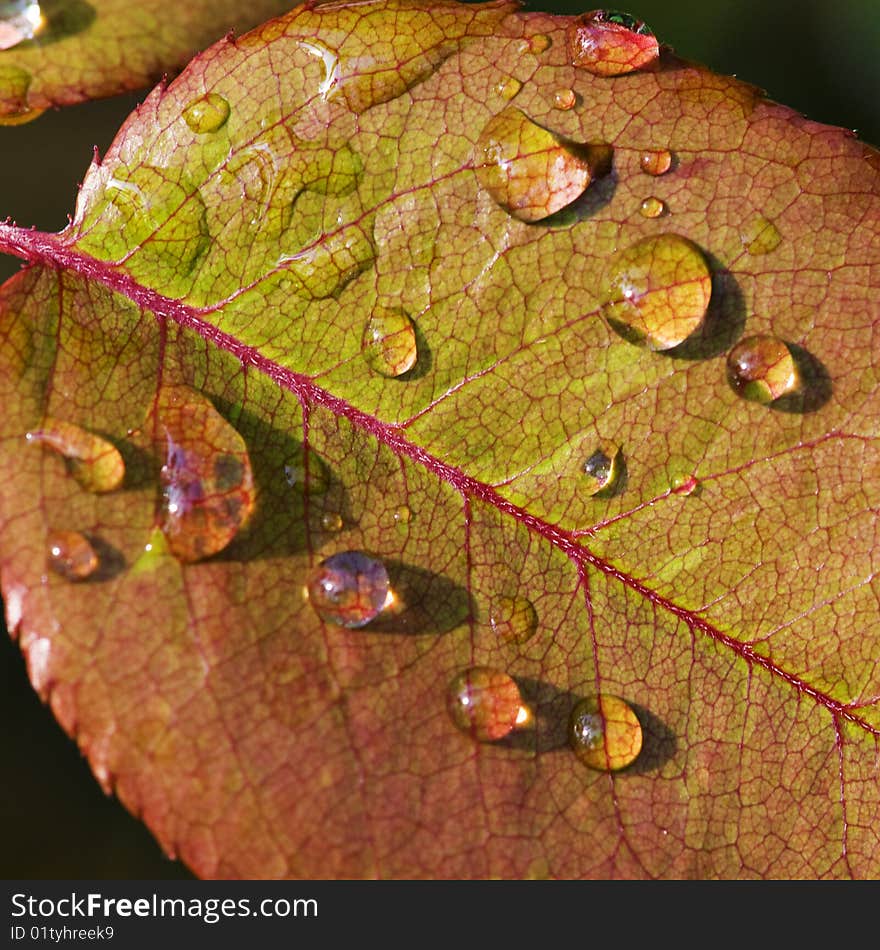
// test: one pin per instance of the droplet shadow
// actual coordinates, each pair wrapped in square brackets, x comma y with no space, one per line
[659,743]
[111,562]
[617,486]
[815,384]
[425,602]
[424,357]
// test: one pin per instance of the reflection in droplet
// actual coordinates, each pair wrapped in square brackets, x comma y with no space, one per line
[610,43]
[508,88]
[71,555]
[762,368]
[207,481]
[652,207]
[206,114]
[349,589]
[331,521]
[655,161]
[329,60]
[514,618]
[486,704]
[528,170]
[602,468]
[760,236]
[656,291]
[389,342]
[605,733]
[20,20]
[93,461]
[564,99]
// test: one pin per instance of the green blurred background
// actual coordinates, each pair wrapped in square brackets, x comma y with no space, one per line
[820,58]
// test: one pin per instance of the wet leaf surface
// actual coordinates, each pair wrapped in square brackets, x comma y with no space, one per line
[723,590]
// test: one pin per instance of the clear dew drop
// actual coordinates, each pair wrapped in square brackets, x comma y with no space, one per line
[605,733]
[610,43]
[71,555]
[486,704]
[761,368]
[528,170]
[402,515]
[207,113]
[760,236]
[656,292]
[389,342]
[655,161]
[331,521]
[514,619]
[349,589]
[93,461]
[684,485]
[207,482]
[20,20]
[652,207]
[602,468]
[564,99]
[508,88]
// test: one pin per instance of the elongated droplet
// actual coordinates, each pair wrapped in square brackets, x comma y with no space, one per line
[564,99]
[349,589]
[652,207]
[761,368]
[656,292]
[390,342]
[207,113]
[602,468]
[93,461]
[20,20]
[528,170]
[207,482]
[656,161]
[514,618]
[71,555]
[610,43]
[486,703]
[760,236]
[605,733]
[508,88]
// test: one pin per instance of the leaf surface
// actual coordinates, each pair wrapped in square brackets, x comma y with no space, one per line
[724,584]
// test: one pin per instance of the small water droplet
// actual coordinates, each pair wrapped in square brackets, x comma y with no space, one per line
[610,43]
[20,20]
[486,704]
[207,113]
[605,733]
[602,468]
[514,618]
[539,43]
[306,472]
[684,485]
[528,170]
[655,161]
[508,88]
[760,236]
[207,482]
[71,555]
[21,118]
[331,521]
[762,368]
[93,461]
[656,291]
[14,85]
[564,99]
[349,589]
[402,515]
[389,342]
[652,207]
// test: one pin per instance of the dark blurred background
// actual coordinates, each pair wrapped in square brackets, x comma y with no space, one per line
[820,58]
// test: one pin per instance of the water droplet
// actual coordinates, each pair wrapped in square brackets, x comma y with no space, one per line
[206,114]
[21,118]
[610,43]
[402,515]
[514,618]
[93,461]
[390,342]
[684,485]
[656,292]
[14,85]
[207,482]
[652,207]
[325,268]
[564,99]
[655,161]
[307,472]
[349,589]
[71,555]
[331,521]
[605,733]
[528,170]
[760,236]
[20,20]
[762,368]
[539,43]
[602,467]
[486,703]
[508,88]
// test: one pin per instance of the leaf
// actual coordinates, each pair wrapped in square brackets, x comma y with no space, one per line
[716,573]
[83,50]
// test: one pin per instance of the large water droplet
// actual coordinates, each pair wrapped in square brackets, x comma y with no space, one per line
[207,482]
[605,733]
[349,589]
[760,236]
[93,461]
[528,170]
[762,368]
[652,207]
[610,43]
[206,114]
[655,161]
[602,468]
[20,20]
[656,292]
[486,703]
[71,555]
[390,342]
[514,618]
